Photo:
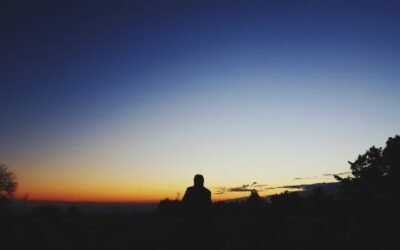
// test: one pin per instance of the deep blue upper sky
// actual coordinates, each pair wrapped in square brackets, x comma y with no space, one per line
[68,66]
[59,58]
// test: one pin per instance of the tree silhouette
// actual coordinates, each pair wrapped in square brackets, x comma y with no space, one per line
[8,182]
[375,173]
[391,158]
[254,201]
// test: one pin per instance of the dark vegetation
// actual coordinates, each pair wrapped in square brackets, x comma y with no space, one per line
[363,214]
[8,185]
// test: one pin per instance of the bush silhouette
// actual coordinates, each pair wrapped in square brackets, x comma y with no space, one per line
[8,182]
[8,185]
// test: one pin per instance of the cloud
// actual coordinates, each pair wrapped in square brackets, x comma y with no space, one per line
[302,189]
[244,188]
[219,190]
[321,176]
[238,189]
[330,187]
[301,186]
[339,174]
[306,178]
[261,185]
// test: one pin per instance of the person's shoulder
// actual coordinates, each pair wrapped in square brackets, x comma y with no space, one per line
[207,190]
[189,189]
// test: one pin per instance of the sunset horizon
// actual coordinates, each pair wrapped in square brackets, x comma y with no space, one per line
[199,124]
[108,102]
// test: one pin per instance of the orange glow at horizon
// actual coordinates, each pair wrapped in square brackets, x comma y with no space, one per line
[76,195]
[85,183]
[143,197]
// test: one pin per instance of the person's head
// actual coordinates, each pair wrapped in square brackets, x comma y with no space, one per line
[198,180]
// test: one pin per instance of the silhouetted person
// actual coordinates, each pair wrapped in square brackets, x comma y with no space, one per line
[197,197]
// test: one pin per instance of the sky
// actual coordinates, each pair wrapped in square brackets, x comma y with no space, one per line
[128,100]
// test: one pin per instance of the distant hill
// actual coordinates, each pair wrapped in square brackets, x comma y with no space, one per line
[88,207]
[329,188]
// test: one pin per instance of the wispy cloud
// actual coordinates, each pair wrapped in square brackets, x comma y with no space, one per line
[243,188]
[339,174]
[263,187]
[306,178]
[321,176]
[330,186]
[301,186]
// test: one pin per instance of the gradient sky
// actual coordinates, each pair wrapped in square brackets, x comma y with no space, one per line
[127,100]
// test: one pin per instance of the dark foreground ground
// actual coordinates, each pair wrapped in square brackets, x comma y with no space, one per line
[241,229]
